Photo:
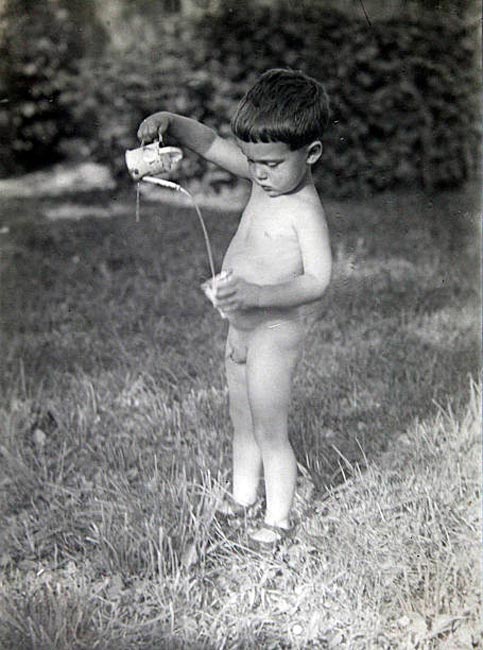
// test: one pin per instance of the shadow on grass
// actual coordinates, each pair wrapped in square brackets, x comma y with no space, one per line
[399,336]
[399,332]
[114,419]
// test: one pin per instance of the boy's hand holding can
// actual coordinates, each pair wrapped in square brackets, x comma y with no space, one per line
[153,127]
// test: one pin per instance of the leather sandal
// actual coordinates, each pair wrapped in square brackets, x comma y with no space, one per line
[231,509]
[275,533]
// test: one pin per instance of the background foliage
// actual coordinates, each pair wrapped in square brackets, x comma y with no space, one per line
[40,49]
[405,106]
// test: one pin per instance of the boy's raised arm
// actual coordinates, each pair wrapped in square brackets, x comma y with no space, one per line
[197,137]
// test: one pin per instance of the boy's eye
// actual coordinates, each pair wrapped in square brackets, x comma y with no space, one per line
[269,163]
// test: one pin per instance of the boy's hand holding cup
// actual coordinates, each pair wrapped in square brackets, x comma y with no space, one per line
[229,293]
[210,287]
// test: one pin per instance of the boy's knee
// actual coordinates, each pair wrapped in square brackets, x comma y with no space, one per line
[270,435]
[238,413]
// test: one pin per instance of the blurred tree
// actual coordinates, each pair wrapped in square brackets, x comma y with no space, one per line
[458,7]
[151,6]
[42,41]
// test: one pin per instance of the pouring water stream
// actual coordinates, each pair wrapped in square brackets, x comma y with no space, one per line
[177,188]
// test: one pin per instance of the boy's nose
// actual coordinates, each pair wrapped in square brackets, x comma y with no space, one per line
[260,173]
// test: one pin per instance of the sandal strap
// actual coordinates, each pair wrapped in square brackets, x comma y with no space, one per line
[231,508]
[281,535]
[285,533]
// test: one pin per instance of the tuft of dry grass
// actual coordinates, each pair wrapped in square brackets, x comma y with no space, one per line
[114,443]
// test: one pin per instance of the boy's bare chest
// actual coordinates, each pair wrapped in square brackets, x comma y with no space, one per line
[260,228]
[265,248]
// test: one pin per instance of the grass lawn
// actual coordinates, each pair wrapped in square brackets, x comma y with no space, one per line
[115,439]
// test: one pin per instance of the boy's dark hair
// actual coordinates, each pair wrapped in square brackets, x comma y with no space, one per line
[283,106]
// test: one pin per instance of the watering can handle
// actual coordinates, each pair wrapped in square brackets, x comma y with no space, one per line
[160,141]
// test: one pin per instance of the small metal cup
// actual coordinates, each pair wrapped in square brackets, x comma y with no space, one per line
[152,159]
[209,287]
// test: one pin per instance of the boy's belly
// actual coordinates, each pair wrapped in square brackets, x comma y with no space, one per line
[270,261]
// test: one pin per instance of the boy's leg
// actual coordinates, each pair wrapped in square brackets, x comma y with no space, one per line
[247,460]
[271,363]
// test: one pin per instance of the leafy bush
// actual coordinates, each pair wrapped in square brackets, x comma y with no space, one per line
[124,87]
[41,44]
[405,106]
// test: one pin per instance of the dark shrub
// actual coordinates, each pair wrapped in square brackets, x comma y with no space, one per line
[405,104]
[41,46]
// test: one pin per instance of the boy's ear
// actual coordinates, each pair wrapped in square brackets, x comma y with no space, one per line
[314,152]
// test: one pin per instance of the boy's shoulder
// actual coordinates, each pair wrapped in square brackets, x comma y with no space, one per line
[307,217]
[295,209]
[306,205]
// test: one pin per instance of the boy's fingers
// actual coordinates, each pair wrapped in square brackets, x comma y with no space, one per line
[225,291]
[161,131]
[144,134]
[162,126]
[147,130]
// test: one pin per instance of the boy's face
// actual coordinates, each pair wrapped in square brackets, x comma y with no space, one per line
[275,167]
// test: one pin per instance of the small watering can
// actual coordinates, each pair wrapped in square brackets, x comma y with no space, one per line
[152,159]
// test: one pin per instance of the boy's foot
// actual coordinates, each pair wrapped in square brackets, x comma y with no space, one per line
[231,509]
[269,535]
